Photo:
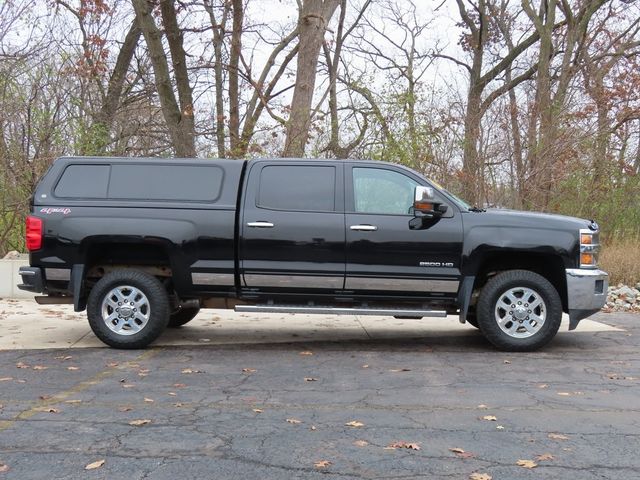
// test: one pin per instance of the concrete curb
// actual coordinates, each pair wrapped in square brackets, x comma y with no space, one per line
[9,278]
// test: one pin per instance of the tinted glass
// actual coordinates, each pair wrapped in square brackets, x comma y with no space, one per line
[292,187]
[165,182]
[377,190]
[83,181]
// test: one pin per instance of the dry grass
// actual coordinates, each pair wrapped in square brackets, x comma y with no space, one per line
[621,259]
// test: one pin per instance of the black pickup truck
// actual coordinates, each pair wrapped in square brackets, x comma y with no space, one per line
[144,243]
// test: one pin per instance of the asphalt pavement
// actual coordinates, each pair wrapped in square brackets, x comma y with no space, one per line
[320,401]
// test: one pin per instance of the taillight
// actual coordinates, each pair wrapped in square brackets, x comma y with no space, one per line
[34,233]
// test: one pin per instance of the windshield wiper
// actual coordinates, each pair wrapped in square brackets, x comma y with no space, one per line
[476,209]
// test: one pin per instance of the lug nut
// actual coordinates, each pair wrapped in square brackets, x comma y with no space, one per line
[510,313]
[519,303]
[528,311]
[119,303]
[117,309]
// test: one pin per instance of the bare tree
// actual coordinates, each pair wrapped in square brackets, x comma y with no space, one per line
[313,19]
[179,117]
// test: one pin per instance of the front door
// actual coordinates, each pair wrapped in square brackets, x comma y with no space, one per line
[292,227]
[385,256]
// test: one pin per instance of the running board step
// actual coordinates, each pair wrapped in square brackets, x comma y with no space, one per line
[340,311]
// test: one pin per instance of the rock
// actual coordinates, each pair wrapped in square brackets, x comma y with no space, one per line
[12,255]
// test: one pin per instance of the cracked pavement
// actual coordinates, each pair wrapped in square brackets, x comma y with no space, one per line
[273,410]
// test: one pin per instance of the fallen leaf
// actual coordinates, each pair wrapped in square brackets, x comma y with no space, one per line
[557,436]
[395,370]
[507,362]
[249,370]
[490,418]
[112,364]
[543,385]
[257,410]
[149,400]
[63,357]
[47,410]
[173,394]
[128,385]
[73,369]
[361,443]
[45,397]
[564,394]
[21,365]
[94,465]
[545,457]
[365,366]
[526,463]
[125,409]
[313,427]
[73,401]
[177,404]
[322,464]
[179,385]
[460,453]
[4,467]
[188,371]
[6,379]
[482,405]
[410,446]
[499,427]
[139,423]
[354,424]
[480,476]
[294,421]
[306,353]
[310,379]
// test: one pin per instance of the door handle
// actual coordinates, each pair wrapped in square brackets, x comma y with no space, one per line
[260,224]
[364,228]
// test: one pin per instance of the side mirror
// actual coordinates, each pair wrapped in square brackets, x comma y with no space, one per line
[425,204]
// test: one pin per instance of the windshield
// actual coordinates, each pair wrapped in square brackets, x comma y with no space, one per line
[461,203]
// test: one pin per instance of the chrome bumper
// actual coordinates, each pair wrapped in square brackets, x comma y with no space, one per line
[586,293]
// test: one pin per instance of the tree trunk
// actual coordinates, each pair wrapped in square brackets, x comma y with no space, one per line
[234,78]
[181,133]
[314,17]
[103,119]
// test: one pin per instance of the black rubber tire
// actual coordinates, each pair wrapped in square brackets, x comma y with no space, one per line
[491,293]
[158,303]
[183,316]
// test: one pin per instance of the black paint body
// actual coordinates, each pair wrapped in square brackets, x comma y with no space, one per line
[306,255]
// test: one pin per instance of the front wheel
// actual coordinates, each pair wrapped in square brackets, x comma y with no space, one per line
[128,309]
[519,311]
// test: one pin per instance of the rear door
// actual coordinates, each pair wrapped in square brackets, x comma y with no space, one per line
[385,256]
[292,227]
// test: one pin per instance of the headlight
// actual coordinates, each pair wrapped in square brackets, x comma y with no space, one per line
[589,248]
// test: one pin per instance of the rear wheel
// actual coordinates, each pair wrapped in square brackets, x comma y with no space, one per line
[519,311]
[128,309]
[183,316]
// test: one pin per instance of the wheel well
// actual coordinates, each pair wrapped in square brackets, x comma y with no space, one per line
[104,257]
[550,267]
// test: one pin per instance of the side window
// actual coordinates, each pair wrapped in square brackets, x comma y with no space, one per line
[83,181]
[166,182]
[297,187]
[376,190]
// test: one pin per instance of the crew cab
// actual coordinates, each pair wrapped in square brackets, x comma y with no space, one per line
[144,243]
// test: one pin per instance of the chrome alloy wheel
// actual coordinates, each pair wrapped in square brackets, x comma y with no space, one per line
[520,312]
[125,310]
